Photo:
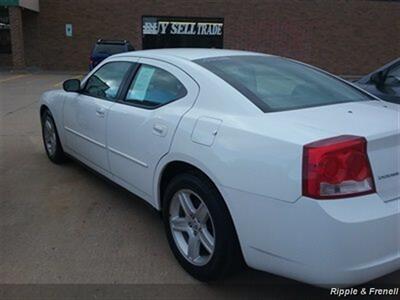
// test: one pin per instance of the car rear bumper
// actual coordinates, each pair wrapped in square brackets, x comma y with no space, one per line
[332,242]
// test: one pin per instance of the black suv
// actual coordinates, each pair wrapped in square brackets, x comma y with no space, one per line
[105,48]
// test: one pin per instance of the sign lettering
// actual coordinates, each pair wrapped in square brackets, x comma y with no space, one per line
[182,28]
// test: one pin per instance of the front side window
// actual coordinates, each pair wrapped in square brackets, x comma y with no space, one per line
[277,84]
[105,82]
[153,87]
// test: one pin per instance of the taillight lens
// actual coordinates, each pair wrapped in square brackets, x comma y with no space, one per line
[337,168]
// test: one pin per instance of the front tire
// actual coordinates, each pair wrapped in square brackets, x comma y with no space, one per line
[199,228]
[51,139]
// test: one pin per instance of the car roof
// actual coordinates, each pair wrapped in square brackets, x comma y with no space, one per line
[186,53]
[116,42]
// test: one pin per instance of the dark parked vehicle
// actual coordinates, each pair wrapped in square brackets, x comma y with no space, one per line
[106,48]
[384,82]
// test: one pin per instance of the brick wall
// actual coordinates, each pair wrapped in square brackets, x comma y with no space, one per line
[17,38]
[344,37]
[34,46]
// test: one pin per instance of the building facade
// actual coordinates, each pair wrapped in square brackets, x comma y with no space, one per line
[349,37]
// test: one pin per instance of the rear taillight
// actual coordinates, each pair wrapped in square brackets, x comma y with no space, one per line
[336,168]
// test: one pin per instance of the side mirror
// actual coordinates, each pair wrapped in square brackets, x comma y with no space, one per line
[72,85]
[377,78]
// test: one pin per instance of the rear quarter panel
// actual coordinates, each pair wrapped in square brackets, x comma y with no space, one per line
[243,158]
[244,155]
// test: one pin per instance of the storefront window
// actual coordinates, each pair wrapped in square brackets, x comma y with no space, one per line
[5,37]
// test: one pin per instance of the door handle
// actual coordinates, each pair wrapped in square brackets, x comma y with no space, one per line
[160,129]
[100,112]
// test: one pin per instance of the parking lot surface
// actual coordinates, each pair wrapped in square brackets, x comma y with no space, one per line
[66,225]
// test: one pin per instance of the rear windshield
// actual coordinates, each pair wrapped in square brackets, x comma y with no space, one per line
[109,48]
[277,84]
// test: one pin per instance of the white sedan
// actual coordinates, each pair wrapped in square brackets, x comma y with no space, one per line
[250,157]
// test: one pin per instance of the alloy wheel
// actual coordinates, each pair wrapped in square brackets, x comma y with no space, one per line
[50,138]
[192,227]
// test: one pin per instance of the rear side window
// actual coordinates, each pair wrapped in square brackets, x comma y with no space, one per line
[109,49]
[153,87]
[276,84]
[106,81]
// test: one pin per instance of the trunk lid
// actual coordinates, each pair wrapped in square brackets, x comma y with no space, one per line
[374,120]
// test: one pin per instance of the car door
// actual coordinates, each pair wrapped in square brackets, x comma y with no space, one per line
[85,114]
[142,125]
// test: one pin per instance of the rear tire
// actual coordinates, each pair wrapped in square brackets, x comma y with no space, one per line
[51,140]
[219,251]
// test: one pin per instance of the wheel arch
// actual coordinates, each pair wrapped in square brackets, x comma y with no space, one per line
[169,171]
[174,167]
[53,101]
[43,108]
